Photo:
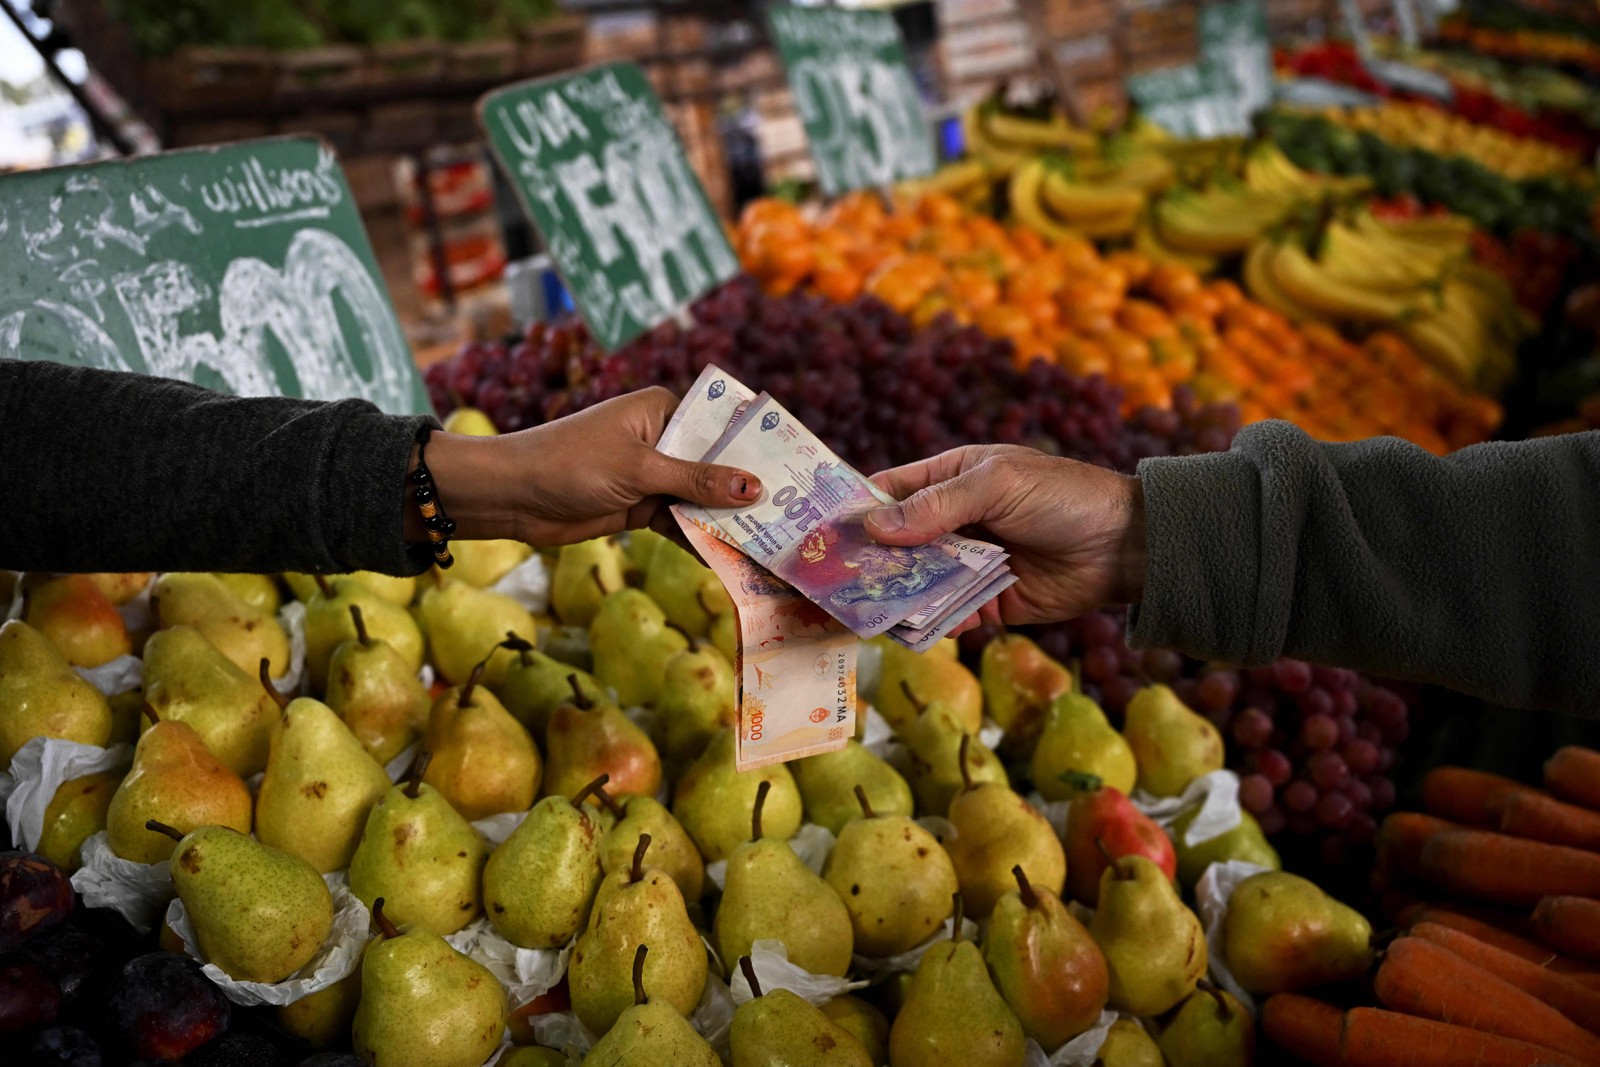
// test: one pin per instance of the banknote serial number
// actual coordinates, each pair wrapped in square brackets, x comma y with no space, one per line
[796,508]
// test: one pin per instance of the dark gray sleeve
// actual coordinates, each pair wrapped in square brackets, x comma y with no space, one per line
[120,472]
[1479,570]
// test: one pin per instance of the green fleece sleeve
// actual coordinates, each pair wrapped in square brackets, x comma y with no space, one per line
[1479,570]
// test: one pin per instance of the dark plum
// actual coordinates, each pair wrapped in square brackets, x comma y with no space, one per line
[28,995]
[35,895]
[64,1045]
[164,1007]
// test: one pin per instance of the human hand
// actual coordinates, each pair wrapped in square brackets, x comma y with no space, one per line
[588,475]
[1075,531]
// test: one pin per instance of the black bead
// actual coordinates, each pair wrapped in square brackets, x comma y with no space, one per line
[420,476]
[423,494]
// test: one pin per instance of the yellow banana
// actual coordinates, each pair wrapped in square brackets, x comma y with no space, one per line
[1000,160]
[1258,282]
[1147,242]
[1148,172]
[1305,282]
[1353,256]
[1012,131]
[1082,202]
[1192,224]
[1449,230]
[1440,348]
[1026,204]
[1109,226]
[952,179]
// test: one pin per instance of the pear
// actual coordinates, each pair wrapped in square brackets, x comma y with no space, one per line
[319,786]
[76,813]
[687,590]
[1019,684]
[186,679]
[636,906]
[938,771]
[724,636]
[671,848]
[329,624]
[244,634]
[471,422]
[995,830]
[650,1033]
[908,680]
[715,802]
[1127,1045]
[770,893]
[387,587]
[42,696]
[588,738]
[1283,933]
[424,1003]
[536,684]
[257,590]
[779,1029]
[1244,842]
[894,878]
[484,762]
[534,1056]
[420,855]
[258,913]
[953,1014]
[1045,964]
[483,563]
[376,693]
[75,616]
[121,588]
[1077,737]
[540,882]
[584,575]
[174,780]
[1173,745]
[1211,1029]
[826,782]
[864,1023]
[698,699]
[569,645]
[464,624]
[631,643]
[640,547]
[1154,947]
[127,711]
[1102,824]
[322,1019]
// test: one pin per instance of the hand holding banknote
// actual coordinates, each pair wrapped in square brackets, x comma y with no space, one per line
[1075,531]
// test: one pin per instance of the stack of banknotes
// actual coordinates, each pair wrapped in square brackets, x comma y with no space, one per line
[804,575]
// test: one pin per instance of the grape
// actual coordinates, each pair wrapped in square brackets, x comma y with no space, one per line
[1162,664]
[1344,703]
[1252,728]
[1315,702]
[1382,790]
[1361,755]
[1217,690]
[1255,793]
[1361,829]
[1334,810]
[1115,693]
[1358,792]
[1272,821]
[1300,796]
[1319,732]
[1274,766]
[1101,664]
[1291,675]
[1328,770]
[1099,627]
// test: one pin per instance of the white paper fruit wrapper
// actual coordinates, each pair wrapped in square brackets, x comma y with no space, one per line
[38,770]
[139,892]
[340,953]
[496,828]
[525,972]
[1216,795]
[811,843]
[292,617]
[711,1019]
[770,958]
[1081,1051]
[1211,895]
[119,676]
[528,583]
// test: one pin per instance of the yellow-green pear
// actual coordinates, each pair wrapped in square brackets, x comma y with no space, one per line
[535,1056]
[698,694]
[1154,946]
[640,546]
[584,575]
[863,1022]
[471,422]
[910,681]
[423,1004]
[636,906]
[1045,964]
[1244,842]
[329,624]
[724,634]
[319,785]
[259,591]
[258,913]
[420,855]
[540,882]
[1172,744]
[76,617]
[953,1014]
[631,644]
[121,588]
[1210,1029]
[938,770]
[1127,1045]
[894,878]
[994,830]
[671,848]
[186,679]
[483,563]
[771,894]
[1283,933]
[127,712]
[585,739]
[42,696]
[483,761]
[827,783]
[650,1033]
[397,591]
[715,802]
[76,813]
[174,780]
[1077,737]
[1019,683]
[245,634]
[777,1028]
[464,624]
[322,1019]
[688,591]
[376,693]
[536,684]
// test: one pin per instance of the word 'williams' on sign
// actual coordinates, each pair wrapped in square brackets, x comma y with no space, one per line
[603,176]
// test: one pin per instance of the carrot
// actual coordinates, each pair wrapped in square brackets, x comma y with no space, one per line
[1571,924]
[1474,923]
[1507,870]
[1305,1027]
[1373,1037]
[1544,818]
[1400,839]
[1467,796]
[1573,774]
[1576,1002]
[1420,978]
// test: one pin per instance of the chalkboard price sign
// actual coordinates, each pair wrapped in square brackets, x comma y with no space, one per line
[603,176]
[855,94]
[243,268]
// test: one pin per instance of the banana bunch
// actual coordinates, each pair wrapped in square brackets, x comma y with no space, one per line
[968,181]
[1219,221]
[1004,141]
[1092,198]
[1268,170]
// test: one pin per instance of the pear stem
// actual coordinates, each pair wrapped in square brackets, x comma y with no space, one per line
[1111,861]
[594,576]
[961,761]
[1223,1008]
[747,965]
[616,810]
[917,705]
[438,578]
[685,634]
[960,915]
[163,828]
[414,773]
[472,683]
[150,713]
[579,700]
[518,644]
[755,813]
[385,927]
[361,626]
[861,798]
[323,585]
[1082,782]
[700,598]
[636,872]
[1075,668]
[266,683]
[638,970]
[1030,899]
[589,790]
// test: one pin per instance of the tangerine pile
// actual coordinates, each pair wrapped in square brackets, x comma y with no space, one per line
[1146,326]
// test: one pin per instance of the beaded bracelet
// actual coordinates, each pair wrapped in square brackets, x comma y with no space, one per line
[439,525]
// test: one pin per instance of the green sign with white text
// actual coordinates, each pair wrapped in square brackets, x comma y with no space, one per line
[855,94]
[603,176]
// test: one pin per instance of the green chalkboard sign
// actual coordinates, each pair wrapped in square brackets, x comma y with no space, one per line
[1235,54]
[602,174]
[855,94]
[1186,100]
[243,268]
